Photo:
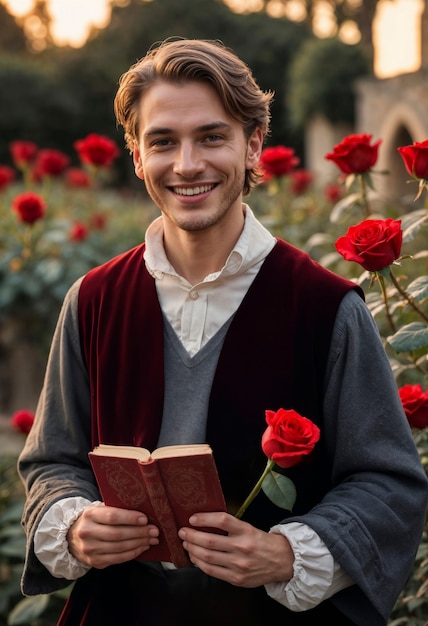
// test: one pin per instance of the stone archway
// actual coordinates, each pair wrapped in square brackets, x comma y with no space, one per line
[396,111]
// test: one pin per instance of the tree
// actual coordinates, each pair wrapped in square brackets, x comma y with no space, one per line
[12,36]
[322,76]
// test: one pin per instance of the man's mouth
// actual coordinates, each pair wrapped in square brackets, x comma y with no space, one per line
[192,191]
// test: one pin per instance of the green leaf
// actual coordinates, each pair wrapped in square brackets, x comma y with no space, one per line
[280,490]
[411,337]
[343,205]
[412,223]
[418,289]
[28,610]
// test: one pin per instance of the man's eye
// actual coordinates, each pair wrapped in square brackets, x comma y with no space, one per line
[213,138]
[161,143]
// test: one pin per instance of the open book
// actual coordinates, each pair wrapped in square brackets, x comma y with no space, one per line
[168,485]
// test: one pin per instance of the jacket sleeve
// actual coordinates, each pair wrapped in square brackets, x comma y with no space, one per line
[372,520]
[54,462]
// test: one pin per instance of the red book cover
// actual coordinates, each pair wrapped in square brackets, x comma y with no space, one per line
[168,486]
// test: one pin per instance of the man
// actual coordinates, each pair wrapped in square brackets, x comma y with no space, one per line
[190,337]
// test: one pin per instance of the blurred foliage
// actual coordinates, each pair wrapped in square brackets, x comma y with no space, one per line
[61,94]
[322,75]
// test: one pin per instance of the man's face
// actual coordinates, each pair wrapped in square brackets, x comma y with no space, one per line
[192,155]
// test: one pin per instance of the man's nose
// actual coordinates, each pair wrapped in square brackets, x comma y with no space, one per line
[188,161]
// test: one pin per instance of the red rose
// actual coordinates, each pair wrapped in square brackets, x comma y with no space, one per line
[278,161]
[7,176]
[29,207]
[76,177]
[301,180]
[22,420]
[415,404]
[79,232]
[374,244]
[96,150]
[98,221]
[355,155]
[288,437]
[415,159]
[23,152]
[333,192]
[50,162]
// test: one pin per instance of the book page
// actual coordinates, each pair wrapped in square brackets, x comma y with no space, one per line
[127,452]
[181,450]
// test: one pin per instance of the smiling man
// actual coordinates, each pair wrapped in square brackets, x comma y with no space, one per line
[190,337]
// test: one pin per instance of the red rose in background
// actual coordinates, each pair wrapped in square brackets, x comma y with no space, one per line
[415,404]
[415,159]
[278,161]
[98,221]
[301,180]
[23,152]
[355,154]
[7,176]
[333,192]
[50,162]
[96,150]
[76,177]
[29,207]
[288,437]
[79,232]
[22,420]
[374,244]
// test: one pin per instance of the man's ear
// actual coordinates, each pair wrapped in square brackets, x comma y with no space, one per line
[254,149]
[138,166]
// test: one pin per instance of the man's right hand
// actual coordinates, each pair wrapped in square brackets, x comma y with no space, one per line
[105,535]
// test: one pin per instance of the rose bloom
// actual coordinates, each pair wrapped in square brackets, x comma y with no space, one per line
[415,404]
[76,177]
[415,159]
[29,207]
[7,176]
[333,192]
[301,180]
[288,437]
[374,244]
[278,161]
[96,150]
[50,162]
[22,420]
[23,152]
[98,221]
[78,232]
[355,154]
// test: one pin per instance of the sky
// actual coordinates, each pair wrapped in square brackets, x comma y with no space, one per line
[394,28]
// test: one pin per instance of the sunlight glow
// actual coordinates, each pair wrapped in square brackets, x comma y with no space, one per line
[397,32]
[396,27]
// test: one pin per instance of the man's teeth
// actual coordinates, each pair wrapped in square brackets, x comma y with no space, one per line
[192,191]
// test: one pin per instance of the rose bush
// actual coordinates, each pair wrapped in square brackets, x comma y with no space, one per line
[388,251]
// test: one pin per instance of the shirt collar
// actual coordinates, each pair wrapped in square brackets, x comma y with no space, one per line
[254,244]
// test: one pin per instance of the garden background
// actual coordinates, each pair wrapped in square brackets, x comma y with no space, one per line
[88,209]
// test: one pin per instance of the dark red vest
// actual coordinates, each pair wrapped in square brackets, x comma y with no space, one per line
[274,355]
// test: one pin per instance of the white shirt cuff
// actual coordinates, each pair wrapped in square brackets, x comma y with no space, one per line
[50,539]
[316,576]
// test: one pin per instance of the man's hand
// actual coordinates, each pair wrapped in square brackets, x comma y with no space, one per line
[246,556]
[105,535]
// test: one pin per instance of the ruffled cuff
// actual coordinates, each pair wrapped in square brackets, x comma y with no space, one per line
[50,539]
[316,576]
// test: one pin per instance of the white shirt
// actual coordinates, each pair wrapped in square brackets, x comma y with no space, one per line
[196,312]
